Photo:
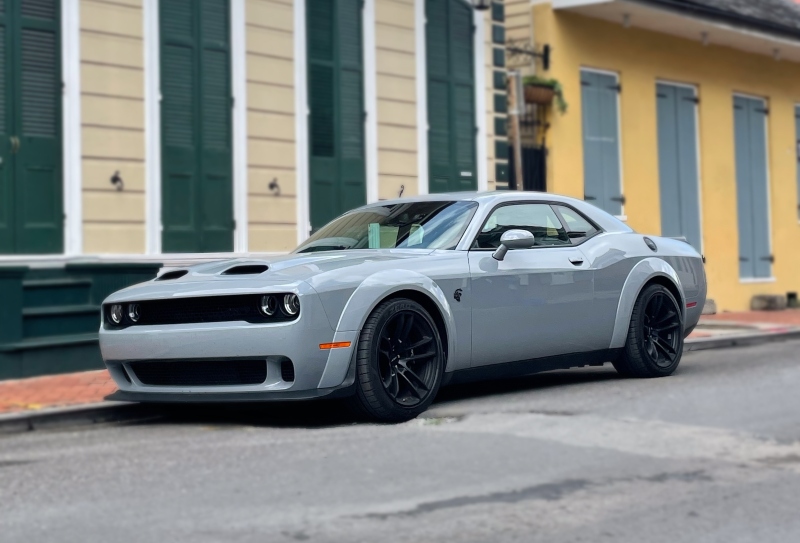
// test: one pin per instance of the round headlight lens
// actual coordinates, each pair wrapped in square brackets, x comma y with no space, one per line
[291,304]
[133,312]
[268,305]
[115,313]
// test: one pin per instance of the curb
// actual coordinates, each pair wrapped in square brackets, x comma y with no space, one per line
[75,415]
[740,340]
[115,412]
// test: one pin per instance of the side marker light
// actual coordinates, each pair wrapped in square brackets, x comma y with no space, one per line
[336,345]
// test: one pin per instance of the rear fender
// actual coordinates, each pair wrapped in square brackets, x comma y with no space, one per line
[641,273]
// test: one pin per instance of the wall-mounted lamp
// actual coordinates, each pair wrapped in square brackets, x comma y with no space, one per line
[274,187]
[117,181]
[515,48]
[776,54]
[704,38]
[626,20]
[481,5]
[402,188]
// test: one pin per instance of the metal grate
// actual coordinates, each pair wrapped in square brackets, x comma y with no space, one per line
[200,373]
[287,371]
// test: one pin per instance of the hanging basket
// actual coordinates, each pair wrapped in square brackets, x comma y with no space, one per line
[539,94]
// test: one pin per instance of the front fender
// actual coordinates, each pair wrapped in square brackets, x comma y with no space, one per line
[641,273]
[363,301]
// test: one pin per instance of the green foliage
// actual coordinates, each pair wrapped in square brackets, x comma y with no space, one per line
[536,81]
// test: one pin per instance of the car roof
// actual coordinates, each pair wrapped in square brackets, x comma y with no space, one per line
[606,221]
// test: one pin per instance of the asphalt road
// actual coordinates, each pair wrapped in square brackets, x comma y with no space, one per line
[709,454]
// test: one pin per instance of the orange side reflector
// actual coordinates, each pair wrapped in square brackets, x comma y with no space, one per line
[337,345]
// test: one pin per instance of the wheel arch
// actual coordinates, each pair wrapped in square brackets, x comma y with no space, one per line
[646,272]
[391,284]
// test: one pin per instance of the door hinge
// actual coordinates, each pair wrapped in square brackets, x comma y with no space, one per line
[587,198]
[617,87]
[620,199]
[694,99]
[738,107]
[765,111]
[660,95]
[234,223]
[585,84]
[770,259]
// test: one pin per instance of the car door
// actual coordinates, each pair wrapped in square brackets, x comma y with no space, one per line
[535,302]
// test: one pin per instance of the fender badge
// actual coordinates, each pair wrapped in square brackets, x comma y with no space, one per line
[457,295]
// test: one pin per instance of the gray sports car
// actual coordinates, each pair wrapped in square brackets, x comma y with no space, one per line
[392,300]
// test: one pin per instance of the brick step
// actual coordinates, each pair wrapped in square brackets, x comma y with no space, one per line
[47,321]
[63,291]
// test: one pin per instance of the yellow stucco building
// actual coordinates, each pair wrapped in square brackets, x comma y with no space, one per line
[686,94]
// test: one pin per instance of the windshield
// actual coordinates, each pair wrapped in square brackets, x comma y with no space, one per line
[415,225]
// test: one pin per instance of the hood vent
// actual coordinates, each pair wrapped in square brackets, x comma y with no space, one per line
[247,269]
[172,275]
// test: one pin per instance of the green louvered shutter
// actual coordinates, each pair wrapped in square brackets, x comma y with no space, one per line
[336,108]
[451,96]
[31,211]
[6,99]
[196,179]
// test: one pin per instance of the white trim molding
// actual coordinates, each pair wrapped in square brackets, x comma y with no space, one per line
[301,121]
[422,96]
[482,157]
[152,130]
[71,127]
[370,100]
[239,123]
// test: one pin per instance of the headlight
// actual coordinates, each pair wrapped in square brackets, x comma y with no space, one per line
[133,312]
[291,304]
[268,305]
[115,313]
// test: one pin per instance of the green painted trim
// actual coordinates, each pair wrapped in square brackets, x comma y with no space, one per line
[499,78]
[61,310]
[49,341]
[499,57]
[498,12]
[498,34]
[500,103]
[501,171]
[13,271]
[500,126]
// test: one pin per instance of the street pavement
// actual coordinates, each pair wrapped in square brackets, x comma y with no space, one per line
[709,454]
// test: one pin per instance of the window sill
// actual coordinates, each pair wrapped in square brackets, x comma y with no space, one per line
[749,280]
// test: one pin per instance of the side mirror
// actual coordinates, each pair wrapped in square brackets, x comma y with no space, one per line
[513,239]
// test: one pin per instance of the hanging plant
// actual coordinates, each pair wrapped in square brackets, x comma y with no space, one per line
[542,91]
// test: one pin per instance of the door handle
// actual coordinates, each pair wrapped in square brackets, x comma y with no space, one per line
[576,261]
[14,145]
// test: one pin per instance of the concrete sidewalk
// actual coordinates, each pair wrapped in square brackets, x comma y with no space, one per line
[53,394]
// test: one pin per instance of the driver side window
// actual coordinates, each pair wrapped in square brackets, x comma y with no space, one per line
[538,219]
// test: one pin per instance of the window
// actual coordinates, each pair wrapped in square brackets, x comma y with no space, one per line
[538,219]
[415,225]
[578,228]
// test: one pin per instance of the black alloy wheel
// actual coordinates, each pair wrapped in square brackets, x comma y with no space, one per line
[399,363]
[654,345]
[662,326]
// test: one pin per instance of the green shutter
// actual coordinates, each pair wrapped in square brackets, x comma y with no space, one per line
[31,212]
[336,108]
[451,96]
[196,180]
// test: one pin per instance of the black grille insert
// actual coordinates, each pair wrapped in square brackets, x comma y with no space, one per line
[241,307]
[199,373]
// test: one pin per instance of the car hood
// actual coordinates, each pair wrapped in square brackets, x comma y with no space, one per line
[253,274]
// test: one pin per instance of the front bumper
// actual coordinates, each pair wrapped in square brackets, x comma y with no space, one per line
[317,372]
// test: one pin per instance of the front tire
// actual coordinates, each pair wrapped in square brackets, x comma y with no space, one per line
[399,362]
[655,337]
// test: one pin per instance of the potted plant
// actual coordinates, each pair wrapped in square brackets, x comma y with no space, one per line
[542,91]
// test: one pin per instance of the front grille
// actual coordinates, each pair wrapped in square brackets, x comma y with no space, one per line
[200,373]
[241,307]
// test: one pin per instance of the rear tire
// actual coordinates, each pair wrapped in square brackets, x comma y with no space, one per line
[654,345]
[399,362]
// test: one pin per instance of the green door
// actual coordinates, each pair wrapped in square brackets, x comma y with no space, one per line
[31,204]
[451,96]
[196,103]
[336,108]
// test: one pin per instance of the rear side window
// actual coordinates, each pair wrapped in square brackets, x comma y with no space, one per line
[538,219]
[578,227]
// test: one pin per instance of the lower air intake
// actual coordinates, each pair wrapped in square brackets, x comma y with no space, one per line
[287,371]
[200,373]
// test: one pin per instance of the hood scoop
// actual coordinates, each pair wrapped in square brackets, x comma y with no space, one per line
[246,269]
[172,275]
